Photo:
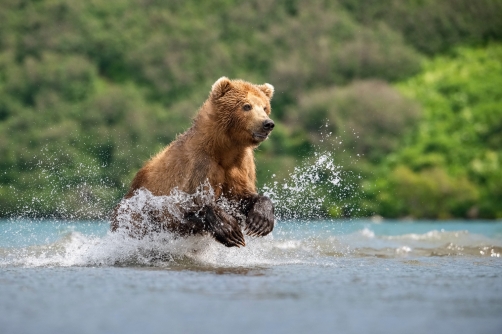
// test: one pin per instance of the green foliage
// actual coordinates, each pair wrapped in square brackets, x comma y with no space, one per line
[433,26]
[91,89]
[455,152]
[367,117]
[430,193]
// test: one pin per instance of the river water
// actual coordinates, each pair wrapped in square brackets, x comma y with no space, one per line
[307,277]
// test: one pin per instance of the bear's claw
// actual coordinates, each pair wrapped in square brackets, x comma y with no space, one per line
[226,230]
[223,227]
[260,219]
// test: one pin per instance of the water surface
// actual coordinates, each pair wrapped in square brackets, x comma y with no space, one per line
[322,277]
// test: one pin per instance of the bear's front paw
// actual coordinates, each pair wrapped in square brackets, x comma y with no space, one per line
[225,229]
[260,219]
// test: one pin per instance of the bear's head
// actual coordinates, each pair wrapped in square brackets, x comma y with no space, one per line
[241,110]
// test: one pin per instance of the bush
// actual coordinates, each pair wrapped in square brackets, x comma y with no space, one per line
[367,117]
[434,26]
[458,137]
[430,193]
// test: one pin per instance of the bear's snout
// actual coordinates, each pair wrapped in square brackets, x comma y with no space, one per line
[261,133]
[268,125]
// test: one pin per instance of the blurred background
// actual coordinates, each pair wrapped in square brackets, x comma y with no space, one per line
[404,96]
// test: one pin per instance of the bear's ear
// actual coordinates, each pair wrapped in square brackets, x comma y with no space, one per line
[220,87]
[268,89]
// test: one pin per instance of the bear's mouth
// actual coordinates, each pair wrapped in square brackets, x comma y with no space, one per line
[260,136]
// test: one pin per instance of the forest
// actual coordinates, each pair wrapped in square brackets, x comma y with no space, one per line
[405,98]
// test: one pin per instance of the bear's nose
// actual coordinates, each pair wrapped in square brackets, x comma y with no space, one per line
[268,125]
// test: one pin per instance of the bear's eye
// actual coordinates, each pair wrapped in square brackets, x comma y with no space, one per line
[247,107]
[265,108]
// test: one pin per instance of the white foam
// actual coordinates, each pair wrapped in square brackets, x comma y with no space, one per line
[367,233]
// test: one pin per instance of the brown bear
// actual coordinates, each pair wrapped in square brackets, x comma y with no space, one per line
[216,153]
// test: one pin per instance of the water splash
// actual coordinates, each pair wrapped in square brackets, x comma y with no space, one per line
[58,185]
[319,243]
[320,187]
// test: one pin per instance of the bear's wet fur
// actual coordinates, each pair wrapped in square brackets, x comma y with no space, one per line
[216,151]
